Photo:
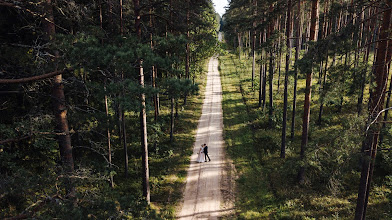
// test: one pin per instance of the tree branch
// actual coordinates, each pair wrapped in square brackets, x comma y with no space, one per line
[377,118]
[34,78]
[15,139]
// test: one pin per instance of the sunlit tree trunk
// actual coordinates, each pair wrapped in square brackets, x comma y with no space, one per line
[254,42]
[172,102]
[262,72]
[306,116]
[376,101]
[108,137]
[239,45]
[271,76]
[143,115]
[59,105]
[286,80]
[297,49]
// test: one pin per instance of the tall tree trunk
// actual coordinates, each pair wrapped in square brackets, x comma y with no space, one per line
[239,45]
[306,118]
[279,51]
[376,101]
[106,109]
[297,49]
[59,105]
[367,41]
[124,138]
[153,68]
[108,137]
[262,72]
[286,80]
[143,115]
[172,101]
[187,43]
[254,41]
[271,95]
[271,75]
[387,103]
[121,111]
[121,18]
[322,91]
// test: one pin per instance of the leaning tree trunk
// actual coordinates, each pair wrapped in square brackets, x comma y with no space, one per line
[143,116]
[59,106]
[306,118]
[376,104]
[286,80]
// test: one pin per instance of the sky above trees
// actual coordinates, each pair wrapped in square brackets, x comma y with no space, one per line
[220,5]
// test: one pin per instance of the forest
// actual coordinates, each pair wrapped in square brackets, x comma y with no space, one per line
[100,102]
[315,92]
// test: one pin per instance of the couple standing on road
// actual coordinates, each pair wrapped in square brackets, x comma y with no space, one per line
[203,154]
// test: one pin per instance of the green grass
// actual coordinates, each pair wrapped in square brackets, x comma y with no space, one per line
[267,186]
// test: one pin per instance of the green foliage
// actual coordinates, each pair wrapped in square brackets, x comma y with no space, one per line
[105,66]
[267,186]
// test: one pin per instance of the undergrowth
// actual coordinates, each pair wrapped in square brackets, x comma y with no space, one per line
[267,186]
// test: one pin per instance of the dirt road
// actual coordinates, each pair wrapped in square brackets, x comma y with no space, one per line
[203,197]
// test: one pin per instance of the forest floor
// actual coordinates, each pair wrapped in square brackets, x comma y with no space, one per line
[266,187]
[209,186]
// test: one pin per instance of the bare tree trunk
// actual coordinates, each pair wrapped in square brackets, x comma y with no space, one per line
[143,123]
[286,80]
[187,43]
[376,101]
[171,119]
[297,49]
[239,45]
[254,42]
[143,115]
[279,51]
[387,103]
[306,118]
[59,105]
[262,71]
[108,135]
[124,138]
[271,95]
[365,60]
[271,77]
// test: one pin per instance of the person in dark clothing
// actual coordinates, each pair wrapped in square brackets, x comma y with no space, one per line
[206,153]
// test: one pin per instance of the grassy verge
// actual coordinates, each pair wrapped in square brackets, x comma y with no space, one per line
[267,187]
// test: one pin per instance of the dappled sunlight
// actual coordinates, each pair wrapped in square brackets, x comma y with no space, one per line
[202,197]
